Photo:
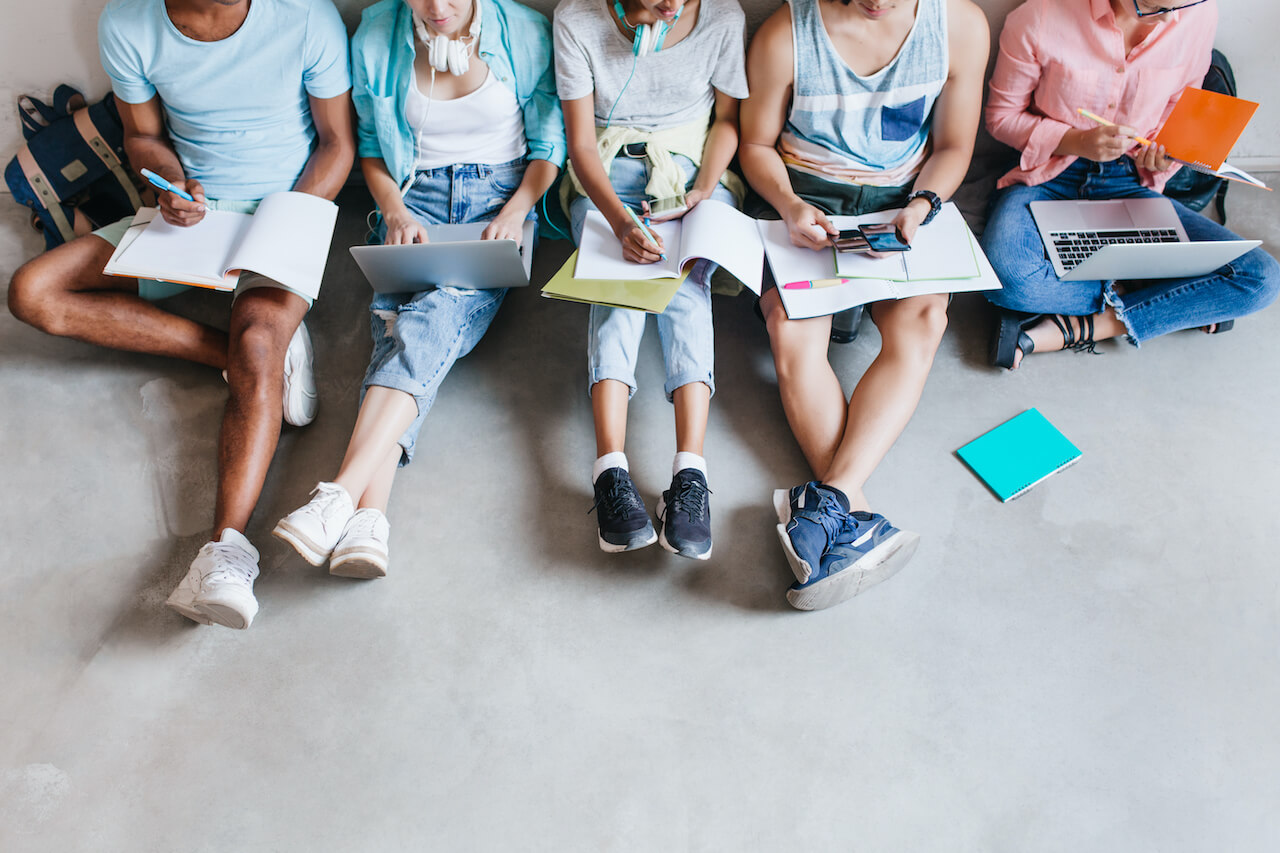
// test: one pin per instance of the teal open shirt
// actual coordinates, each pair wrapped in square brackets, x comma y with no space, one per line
[515,42]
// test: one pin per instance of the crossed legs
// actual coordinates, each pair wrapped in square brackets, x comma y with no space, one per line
[844,440]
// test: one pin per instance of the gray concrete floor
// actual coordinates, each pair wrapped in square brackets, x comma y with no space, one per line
[1091,667]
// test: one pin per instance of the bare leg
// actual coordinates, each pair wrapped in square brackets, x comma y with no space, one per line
[63,292]
[812,398]
[378,493]
[384,416]
[609,409]
[692,405]
[1048,337]
[262,322]
[889,391]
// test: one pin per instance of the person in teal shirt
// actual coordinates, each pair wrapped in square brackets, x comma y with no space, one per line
[458,123]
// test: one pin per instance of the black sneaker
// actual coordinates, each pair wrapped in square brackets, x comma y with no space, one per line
[684,516]
[623,520]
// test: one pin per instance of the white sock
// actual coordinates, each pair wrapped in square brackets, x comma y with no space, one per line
[685,459]
[616,459]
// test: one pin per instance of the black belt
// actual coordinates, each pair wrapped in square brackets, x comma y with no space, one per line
[635,150]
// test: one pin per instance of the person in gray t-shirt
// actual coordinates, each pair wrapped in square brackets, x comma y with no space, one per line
[650,92]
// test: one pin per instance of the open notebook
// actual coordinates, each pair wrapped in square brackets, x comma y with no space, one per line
[287,240]
[712,230]
[944,258]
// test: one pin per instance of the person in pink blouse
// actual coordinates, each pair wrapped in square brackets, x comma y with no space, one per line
[1126,61]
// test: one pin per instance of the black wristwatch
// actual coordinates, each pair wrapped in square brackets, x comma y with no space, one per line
[935,203]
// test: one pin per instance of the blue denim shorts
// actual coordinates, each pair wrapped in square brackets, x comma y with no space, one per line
[418,336]
[684,328]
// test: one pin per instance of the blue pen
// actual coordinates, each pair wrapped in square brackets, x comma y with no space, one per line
[161,184]
[648,235]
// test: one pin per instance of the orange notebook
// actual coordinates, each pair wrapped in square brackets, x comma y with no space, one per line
[1202,129]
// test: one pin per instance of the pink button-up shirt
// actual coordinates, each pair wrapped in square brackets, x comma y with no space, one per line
[1057,55]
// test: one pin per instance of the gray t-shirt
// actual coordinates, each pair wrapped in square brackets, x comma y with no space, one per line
[671,87]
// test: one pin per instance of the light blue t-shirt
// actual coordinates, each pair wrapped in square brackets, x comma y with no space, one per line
[236,109]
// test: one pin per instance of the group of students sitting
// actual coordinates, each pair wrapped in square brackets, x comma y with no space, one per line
[466,111]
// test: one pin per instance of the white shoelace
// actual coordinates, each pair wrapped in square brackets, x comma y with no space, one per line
[326,498]
[364,525]
[233,565]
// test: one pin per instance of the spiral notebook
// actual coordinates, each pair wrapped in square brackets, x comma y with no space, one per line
[1202,129]
[1018,454]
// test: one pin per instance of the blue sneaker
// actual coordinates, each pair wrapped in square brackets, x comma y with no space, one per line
[684,516]
[867,550]
[620,514]
[809,518]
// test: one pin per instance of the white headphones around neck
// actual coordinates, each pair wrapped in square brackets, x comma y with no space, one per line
[647,39]
[446,54]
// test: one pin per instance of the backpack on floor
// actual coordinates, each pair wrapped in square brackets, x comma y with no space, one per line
[1196,189]
[72,172]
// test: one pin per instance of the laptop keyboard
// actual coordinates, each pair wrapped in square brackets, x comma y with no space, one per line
[1074,246]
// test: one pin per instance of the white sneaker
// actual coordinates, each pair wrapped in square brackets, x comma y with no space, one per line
[362,550]
[300,398]
[183,597]
[227,568]
[313,529]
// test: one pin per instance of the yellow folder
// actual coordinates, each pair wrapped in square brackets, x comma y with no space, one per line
[652,295]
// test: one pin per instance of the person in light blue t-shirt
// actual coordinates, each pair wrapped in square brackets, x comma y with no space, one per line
[228,100]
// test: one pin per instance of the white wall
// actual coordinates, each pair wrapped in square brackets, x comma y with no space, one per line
[57,42]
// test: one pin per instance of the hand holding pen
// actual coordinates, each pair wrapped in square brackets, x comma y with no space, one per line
[639,244]
[1110,141]
[181,202]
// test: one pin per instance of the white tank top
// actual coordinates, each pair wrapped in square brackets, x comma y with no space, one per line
[485,126]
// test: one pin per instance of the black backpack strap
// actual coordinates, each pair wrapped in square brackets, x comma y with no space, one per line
[34,114]
[89,132]
[67,99]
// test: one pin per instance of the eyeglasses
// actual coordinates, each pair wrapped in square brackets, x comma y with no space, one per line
[1164,10]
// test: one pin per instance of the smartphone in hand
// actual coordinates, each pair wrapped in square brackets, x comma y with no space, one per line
[885,237]
[851,240]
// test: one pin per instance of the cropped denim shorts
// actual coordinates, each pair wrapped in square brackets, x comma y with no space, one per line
[417,337]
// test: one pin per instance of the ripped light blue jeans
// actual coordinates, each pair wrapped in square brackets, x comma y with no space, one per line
[1013,245]
[417,337]
[613,343]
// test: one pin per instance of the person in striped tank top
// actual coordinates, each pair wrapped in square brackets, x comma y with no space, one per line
[856,106]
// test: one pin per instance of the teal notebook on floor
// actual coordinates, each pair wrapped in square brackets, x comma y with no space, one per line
[1019,453]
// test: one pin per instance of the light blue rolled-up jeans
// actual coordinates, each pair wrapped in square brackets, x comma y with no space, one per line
[1148,308]
[684,328]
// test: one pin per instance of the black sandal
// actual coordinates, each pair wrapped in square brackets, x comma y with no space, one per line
[1085,343]
[1219,328]
[1011,336]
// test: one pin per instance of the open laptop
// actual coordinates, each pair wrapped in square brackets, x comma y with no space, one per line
[1130,238]
[454,257]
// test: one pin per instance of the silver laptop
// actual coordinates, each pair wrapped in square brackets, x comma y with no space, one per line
[1131,238]
[454,257]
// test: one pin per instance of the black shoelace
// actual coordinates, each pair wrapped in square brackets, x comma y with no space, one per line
[618,500]
[691,499]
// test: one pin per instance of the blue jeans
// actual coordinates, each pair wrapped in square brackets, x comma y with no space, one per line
[613,342]
[418,336]
[1012,243]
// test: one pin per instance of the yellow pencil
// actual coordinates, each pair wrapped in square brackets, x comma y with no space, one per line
[1100,120]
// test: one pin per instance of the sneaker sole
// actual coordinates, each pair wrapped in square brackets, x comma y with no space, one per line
[662,538]
[300,406]
[881,563]
[188,610]
[303,545]
[365,565]
[228,613]
[633,545]
[782,506]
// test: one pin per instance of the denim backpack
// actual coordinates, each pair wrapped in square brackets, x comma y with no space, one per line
[1196,189]
[72,172]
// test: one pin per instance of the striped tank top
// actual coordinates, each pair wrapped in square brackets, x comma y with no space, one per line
[873,129]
